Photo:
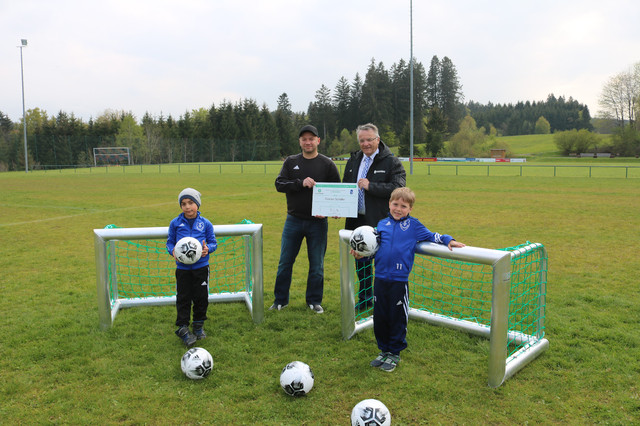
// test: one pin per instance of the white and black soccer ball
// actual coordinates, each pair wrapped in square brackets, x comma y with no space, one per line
[370,412]
[188,250]
[364,240]
[296,378]
[196,363]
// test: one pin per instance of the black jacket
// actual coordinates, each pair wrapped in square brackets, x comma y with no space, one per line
[385,174]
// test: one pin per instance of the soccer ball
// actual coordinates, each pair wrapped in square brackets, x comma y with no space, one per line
[370,412]
[196,363]
[296,378]
[364,240]
[188,250]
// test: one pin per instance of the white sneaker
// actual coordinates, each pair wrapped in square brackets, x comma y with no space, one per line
[316,308]
[277,307]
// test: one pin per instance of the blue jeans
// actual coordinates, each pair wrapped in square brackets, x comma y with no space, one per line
[315,232]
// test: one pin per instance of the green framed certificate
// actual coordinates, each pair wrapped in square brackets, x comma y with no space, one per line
[335,199]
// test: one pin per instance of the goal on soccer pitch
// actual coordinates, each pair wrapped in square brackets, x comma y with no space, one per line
[111,156]
[499,294]
[133,268]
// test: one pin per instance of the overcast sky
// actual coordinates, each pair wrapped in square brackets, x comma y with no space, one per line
[168,57]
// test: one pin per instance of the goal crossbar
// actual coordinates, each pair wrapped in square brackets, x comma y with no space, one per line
[110,301]
[501,365]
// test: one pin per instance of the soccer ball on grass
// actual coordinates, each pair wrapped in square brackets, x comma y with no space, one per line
[196,363]
[188,250]
[364,241]
[370,412]
[296,378]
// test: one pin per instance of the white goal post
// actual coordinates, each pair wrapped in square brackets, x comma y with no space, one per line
[500,329]
[111,155]
[155,283]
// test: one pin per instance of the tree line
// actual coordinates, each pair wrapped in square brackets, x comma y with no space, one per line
[246,131]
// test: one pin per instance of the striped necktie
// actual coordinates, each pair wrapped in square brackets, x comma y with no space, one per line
[365,169]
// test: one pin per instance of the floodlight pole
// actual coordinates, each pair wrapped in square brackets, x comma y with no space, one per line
[411,89]
[24,114]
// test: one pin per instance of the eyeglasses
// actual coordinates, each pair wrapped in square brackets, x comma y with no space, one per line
[367,140]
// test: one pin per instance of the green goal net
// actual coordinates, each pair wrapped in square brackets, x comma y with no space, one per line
[134,268]
[463,290]
[498,294]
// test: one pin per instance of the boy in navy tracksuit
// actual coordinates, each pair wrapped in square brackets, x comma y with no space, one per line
[192,281]
[399,234]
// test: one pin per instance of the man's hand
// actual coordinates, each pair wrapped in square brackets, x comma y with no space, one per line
[308,182]
[363,184]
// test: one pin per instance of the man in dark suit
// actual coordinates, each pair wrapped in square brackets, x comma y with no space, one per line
[377,173]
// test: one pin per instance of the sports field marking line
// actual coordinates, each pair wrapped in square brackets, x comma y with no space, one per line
[80,214]
[92,211]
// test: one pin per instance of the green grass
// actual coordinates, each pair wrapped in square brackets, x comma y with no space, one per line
[58,367]
[530,145]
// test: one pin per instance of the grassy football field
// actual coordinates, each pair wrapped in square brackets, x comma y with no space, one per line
[57,366]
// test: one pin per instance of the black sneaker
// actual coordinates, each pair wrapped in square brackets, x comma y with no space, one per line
[277,307]
[185,335]
[199,333]
[379,359]
[316,308]
[390,362]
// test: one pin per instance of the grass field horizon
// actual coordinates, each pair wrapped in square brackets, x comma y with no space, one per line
[57,366]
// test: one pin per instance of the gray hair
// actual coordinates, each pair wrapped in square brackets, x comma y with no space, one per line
[368,126]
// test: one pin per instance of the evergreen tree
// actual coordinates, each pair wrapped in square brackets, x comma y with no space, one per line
[341,102]
[268,146]
[375,104]
[227,148]
[400,100]
[450,94]
[436,126]
[432,86]
[284,126]
[153,139]
[322,116]
[355,117]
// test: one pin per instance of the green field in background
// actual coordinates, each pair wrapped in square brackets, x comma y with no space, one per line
[57,366]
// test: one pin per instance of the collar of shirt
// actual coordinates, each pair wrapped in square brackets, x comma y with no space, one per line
[362,162]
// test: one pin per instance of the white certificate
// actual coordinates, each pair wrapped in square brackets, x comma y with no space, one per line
[335,200]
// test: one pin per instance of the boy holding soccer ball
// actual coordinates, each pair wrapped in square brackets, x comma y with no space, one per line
[399,234]
[192,280]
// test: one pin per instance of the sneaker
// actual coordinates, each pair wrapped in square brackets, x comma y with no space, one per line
[316,308]
[390,362]
[199,333]
[379,359]
[185,335]
[277,307]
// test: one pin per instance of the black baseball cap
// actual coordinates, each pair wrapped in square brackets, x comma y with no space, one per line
[309,128]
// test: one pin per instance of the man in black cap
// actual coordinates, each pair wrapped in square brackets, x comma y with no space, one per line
[298,175]
[377,173]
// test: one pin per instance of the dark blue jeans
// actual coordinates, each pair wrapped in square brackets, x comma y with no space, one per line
[295,230]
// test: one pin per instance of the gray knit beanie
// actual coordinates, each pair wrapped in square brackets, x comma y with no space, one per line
[190,193]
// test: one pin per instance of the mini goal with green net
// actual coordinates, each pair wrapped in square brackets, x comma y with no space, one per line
[498,294]
[133,269]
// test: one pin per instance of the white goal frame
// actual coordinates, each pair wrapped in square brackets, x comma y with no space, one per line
[501,367]
[109,302]
[107,151]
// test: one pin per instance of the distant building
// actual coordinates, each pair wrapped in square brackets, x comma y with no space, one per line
[498,153]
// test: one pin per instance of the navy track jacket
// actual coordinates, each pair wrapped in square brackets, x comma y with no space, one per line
[398,241]
[202,229]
